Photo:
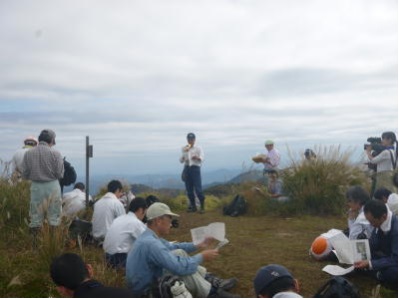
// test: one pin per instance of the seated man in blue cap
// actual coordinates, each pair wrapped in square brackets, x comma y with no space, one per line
[275,281]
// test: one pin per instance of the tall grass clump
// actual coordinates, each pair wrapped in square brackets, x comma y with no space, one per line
[318,186]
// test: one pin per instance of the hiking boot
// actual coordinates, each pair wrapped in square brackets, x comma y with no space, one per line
[225,284]
[201,211]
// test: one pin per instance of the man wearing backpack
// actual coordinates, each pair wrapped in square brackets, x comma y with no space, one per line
[43,165]
[383,244]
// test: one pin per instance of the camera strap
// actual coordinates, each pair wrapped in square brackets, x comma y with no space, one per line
[392,160]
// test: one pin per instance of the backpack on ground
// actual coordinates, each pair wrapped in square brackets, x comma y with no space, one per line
[150,199]
[69,174]
[338,287]
[237,207]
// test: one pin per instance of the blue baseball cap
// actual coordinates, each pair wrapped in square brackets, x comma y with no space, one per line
[268,274]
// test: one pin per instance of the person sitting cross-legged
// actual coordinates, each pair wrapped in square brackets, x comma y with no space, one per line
[74,279]
[383,244]
[123,232]
[152,257]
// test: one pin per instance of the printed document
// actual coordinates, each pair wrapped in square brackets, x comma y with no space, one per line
[347,252]
[214,230]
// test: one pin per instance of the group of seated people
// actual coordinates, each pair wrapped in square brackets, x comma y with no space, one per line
[152,257]
[375,220]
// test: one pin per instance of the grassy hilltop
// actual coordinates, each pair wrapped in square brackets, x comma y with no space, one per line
[270,232]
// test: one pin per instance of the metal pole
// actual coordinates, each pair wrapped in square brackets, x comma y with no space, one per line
[87,171]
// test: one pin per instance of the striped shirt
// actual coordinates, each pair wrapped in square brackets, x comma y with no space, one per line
[43,164]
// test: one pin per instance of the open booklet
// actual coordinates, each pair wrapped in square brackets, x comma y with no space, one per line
[347,251]
[214,230]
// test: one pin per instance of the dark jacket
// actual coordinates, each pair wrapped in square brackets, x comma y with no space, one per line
[384,247]
[94,289]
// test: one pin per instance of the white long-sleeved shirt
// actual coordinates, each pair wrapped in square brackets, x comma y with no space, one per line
[122,233]
[105,211]
[392,203]
[73,202]
[186,156]
[359,225]
[383,160]
[274,159]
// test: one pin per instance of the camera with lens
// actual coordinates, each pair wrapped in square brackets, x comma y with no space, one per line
[376,146]
[175,223]
[376,149]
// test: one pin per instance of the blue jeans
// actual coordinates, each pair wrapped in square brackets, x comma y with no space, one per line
[194,184]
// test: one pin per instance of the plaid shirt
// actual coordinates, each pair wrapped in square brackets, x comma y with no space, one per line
[43,164]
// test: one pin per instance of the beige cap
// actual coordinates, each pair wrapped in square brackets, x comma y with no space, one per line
[159,209]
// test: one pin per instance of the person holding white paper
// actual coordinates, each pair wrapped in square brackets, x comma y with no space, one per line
[383,244]
[152,257]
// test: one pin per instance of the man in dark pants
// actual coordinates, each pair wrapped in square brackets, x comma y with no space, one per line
[383,244]
[192,157]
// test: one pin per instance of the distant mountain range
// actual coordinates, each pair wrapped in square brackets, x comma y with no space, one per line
[171,181]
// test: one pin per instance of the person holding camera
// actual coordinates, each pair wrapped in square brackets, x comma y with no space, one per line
[385,161]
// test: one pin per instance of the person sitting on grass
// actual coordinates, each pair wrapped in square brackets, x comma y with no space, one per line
[152,257]
[383,244]
[275,281]
[106,209]
[358,226]
[74,279]
[389,198]
[123,232]
[275,186]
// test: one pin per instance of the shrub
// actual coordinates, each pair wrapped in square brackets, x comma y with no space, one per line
[319,186]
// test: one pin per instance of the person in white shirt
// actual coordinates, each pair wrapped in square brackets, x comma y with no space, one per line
[106,209]
[389,198]
[359,227]
[272,159]
[123,232]
[386,162]
[192,157]
[17,159]
[74,201]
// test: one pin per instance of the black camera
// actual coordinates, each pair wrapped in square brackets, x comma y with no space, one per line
[376,149]
[376,146]
[175,223]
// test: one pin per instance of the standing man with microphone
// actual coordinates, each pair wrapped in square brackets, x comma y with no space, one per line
[192,157]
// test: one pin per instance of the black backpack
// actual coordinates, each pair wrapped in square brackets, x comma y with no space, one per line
[237,207]
[338,287]
[150,199]
[69,174]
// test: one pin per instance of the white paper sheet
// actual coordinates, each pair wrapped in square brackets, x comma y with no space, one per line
[337,270]
[215,230]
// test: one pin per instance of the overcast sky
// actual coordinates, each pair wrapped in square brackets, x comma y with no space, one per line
[137,76]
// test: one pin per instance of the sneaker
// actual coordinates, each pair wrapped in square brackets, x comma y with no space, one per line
[225,284]
[201,211]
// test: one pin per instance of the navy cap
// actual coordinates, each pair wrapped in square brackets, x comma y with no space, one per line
[190,136]
[268,274]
